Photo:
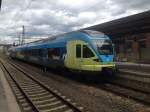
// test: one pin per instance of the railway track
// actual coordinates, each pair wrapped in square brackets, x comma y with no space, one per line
[142,96]
[130,84]
[124,87]
[128,88]
[34,96]
[134,75]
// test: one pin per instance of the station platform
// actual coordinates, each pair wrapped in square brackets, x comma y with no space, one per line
[143,69]
[8,102]
[133,64]
[3,100]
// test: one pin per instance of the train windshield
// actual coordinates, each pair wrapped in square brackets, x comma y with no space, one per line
[104,46]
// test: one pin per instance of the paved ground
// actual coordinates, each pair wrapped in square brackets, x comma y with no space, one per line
[8,102]
[133,64]
[3,100]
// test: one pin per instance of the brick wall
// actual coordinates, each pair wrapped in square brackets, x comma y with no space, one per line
[135,48]
[148,46]
[148,40]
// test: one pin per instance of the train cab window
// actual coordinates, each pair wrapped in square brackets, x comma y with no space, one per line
[54,53]
[78,51]
[87,53]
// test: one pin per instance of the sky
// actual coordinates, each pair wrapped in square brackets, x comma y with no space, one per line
[44,18]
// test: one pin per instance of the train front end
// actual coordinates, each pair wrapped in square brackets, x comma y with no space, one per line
[105,53]
[104,50]
[92,52]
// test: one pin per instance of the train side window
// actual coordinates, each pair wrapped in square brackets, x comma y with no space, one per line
[78,51]
[34,52]
[54,53]
[40,53]
[50,52]
[87,53]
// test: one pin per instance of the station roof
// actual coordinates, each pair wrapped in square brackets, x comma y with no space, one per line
[134,24]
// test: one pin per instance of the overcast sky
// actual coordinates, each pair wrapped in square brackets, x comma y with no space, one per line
[43,18]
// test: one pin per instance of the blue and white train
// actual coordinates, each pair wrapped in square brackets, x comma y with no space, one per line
[85,50]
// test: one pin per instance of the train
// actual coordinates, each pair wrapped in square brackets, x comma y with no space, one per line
[84,51]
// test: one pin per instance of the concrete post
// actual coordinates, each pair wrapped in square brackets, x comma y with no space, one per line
[148,40]
[135,47]
[148,45]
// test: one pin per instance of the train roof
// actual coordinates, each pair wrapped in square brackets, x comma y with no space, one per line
[89,32]
[60,39]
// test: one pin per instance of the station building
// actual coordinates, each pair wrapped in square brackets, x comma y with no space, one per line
[131,36]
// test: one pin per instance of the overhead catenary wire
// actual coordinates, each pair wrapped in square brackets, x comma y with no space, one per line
[20,15]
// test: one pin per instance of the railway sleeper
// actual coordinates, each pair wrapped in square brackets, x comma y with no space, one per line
[35,91]
[40,102]
[50,105]
[61,108]
[25,104]
[38,94]
[30,86]
[28,109]
[42,97]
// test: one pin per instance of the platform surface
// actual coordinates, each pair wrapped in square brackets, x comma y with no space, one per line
[8,101]
[132,64]
[3,100]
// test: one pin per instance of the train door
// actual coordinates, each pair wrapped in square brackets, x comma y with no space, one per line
[79,56]
[88,56]
[74,54]
[83,57]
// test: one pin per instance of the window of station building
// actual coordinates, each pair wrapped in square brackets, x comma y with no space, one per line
[78,51]
[87,53]
[129,44]
[54,53]
[116,45]
[142,43]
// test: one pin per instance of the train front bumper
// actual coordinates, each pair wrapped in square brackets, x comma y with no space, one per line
[98,68]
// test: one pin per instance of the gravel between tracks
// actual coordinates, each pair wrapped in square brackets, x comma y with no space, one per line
[94,99]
